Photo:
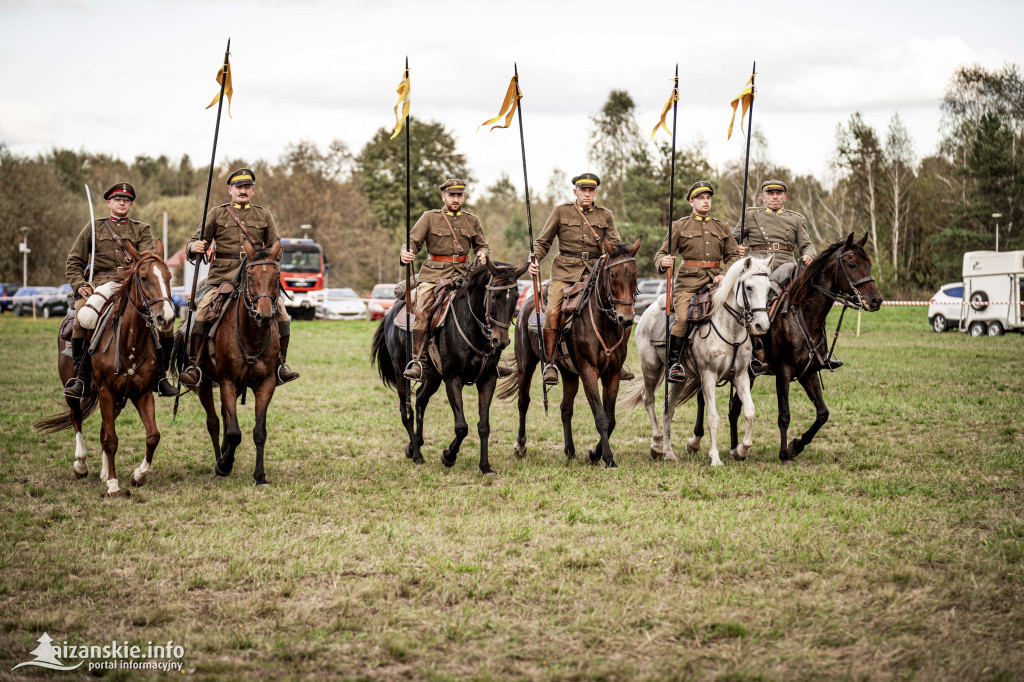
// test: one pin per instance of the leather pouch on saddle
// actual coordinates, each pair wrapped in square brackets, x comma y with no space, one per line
[572,297]
[223,294]
[700,306]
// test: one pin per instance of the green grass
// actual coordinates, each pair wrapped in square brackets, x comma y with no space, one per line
[893,547]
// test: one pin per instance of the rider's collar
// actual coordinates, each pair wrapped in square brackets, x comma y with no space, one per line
[454,215]
[117,221]
[584,210]
[242,207]
[702,219]
[779,212]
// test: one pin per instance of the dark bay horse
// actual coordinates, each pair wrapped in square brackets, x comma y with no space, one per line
[469,345]
[796,345]
[597,348]
[125,367]
[246,348]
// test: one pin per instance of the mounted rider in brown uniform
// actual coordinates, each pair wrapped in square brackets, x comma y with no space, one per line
[707,249]
[227,226]
[579,226]
[111,261]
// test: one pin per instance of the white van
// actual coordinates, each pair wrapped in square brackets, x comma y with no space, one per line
[993,292]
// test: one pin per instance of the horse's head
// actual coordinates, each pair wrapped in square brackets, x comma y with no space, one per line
[261,282]
[149,286]
[500,301]
[854,276]
[620,275]
[752,293]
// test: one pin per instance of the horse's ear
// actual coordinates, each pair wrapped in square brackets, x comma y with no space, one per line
[132,251]
[275,250]
[250,253]
[863,240]
[636,245]
[492,268]
[747,262]
[849,241]
[159,248]
[521,270]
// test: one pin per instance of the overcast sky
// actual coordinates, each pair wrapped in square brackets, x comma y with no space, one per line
[131,78]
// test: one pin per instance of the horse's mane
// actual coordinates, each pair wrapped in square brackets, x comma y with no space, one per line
[478,274]
[733,276]
[124,279]
[802,287]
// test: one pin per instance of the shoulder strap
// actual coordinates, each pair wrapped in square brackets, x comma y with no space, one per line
[451,229]
[241,226]
[597,237]
[117,240]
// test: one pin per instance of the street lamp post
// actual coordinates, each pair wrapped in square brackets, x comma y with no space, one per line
[997,216]
[23,247]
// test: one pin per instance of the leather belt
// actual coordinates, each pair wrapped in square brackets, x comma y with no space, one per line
[707,264]
[449,259]
[225,256]
[585,255]
[774,246]
[119,271]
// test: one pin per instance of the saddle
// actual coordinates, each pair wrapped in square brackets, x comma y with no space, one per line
[778,298]
[220,298]
[699,310]
[444,293]
[573,298]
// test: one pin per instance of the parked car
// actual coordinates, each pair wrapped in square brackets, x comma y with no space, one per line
[382,299]
[7,291]
[945,307]
[179,300]
[650,288]
[49,301]
[342,304]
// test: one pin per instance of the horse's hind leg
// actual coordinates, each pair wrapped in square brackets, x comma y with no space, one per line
[570,386]
[426,390]
[812,386]
[262,394]
[589,378]
[485,392]
[782,393]
[108,436]
[693,445]
[147,413]
[225,462]
[527,361]
[454,389]
[657,437]
[212,421]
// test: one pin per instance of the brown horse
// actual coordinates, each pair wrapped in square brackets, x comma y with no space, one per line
[245,356]
[125,367]
[597,347]
[796,345]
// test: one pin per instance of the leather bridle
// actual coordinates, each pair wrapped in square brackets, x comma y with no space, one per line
[849,299]
[251,301]
[604,289]
[146,309]
[486,325]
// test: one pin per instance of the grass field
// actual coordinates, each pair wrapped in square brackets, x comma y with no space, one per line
[893,547]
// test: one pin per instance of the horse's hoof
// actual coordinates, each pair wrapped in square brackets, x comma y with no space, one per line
[136,484]
[593,456]
[657,456]
[444,460]
[519,452]
[408,450]
[795,448]
[417,458]
[218,472]
[670,457]
[692,450]
[82,475]
[716,463]
[489,472]
[612,465]
[120,493]
[737,455]
[261,481]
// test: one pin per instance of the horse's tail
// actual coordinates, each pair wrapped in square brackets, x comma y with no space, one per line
[179,354]
[690,388]
[509,387]
[63,420]
[637,395]
[380,356]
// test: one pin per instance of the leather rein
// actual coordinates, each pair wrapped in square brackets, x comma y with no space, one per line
[485,326]
[250,302]
[604,293]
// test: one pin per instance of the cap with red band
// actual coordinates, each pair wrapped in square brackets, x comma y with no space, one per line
[121,189]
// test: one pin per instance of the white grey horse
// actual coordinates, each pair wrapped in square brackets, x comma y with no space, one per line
[718,350]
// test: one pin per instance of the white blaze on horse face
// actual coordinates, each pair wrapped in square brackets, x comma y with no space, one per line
[81,468]
[168,311]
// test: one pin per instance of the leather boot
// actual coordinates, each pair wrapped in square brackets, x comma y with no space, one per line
[504,370]
[75,386]
[193,375]
[758,365]
[550,352]
[833,363]
[676,373]
[414,370]
[284,372]
[164,387]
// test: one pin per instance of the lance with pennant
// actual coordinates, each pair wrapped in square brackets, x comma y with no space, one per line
[746,96]
[224,78]
[405,121]
[673,100]
[92,221]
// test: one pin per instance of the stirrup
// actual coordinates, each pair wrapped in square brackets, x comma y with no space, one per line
[285,374]
[833,363]
[550,374]
[74,388]
[187,378]
[676,374]
[758,367]
[413,371]
[165,388]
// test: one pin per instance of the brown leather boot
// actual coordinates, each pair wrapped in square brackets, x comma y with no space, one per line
[414,370]
[284,372]
[676,373]
[75,386]
[164,387]
[550,352]
[758,364]
[193,375]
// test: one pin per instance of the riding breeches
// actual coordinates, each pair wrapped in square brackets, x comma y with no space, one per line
[424,300]
[206,294]
[556,289]
[681,306]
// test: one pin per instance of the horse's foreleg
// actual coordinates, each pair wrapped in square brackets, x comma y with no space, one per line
[108,437]
[570,386]
[485,392]
[782,393]
[81,468]
[212,421]
[225,462]
[427,389]
[609,392]
[406,409]
[526,369]
[147,413]
[263,393]
[812,386]
[693,445]
[708,392]
[589,378]
[734,415]
[454,389]
[743,395]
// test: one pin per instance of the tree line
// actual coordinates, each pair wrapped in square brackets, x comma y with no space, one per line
[920,212]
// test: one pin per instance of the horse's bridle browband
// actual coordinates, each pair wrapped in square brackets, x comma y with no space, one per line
[746,316]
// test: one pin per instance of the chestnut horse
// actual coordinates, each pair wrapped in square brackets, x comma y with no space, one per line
[796,345]
[246,349]
[597,348]
[125,367]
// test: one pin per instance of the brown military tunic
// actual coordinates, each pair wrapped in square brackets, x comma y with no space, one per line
[709,247]
[578,249]
[432,231]
[774,228]
[108,256]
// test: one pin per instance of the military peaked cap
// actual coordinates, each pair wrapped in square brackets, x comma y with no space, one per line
[454,186]
[769,185]
[121,189]
[242,176]
[586,180]
[699,187]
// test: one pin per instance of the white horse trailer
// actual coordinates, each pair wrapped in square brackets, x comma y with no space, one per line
[993,292]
